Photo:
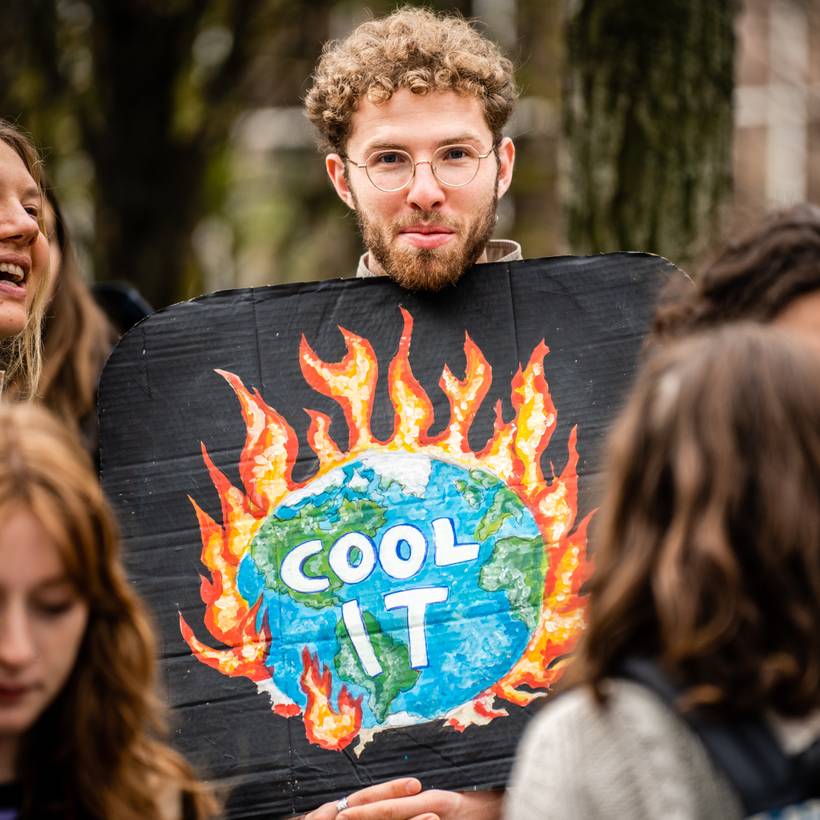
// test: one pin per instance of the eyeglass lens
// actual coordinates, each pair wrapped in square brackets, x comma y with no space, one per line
[453,165]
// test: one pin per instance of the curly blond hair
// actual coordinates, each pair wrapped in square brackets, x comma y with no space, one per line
[411,48]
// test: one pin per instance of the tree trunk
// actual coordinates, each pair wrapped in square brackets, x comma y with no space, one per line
[535,191]
[648,117]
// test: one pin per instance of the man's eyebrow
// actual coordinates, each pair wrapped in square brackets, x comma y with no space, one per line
[395,145]
[33,192]
[466,137]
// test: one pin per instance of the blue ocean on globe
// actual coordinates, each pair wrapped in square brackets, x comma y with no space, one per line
[471,638]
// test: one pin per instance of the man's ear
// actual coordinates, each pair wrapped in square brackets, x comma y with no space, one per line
[335,166]
[506,161]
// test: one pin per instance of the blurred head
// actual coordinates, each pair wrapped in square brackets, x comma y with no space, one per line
[404,105]
[769,274]
[23,254]
[76,650]
[707,550]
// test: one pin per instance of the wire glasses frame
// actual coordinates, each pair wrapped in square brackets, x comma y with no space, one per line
[393,169]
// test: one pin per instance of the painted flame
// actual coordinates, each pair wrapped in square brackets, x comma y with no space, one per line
[513,453]
[325,726]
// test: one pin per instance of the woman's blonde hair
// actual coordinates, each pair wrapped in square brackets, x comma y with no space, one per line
[412,48]
[97,751]
[21,354]
[707,549]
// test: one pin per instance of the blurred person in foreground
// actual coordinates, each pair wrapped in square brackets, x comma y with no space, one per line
[24,259]
[410,111]
[769,273]
[77,337]
[707,552]
[80,727]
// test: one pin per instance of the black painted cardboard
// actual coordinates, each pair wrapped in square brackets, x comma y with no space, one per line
[161,399]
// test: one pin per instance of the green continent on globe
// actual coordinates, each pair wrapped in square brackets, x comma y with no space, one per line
[506,504]
[396,676]
[518,567]
[326,522]
[472,491]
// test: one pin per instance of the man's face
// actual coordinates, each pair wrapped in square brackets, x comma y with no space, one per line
[427,234]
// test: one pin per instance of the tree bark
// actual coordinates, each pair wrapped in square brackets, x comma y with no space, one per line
[648,118]
[153,123]
[535,193]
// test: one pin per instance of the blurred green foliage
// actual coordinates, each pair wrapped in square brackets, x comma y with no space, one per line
[174,137]
[173,134]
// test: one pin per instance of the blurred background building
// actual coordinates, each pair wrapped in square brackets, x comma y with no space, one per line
[174,133]
[777,108]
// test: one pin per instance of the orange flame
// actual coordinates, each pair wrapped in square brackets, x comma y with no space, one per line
[326,727]
[465,397]
[246,658]
[413,408]
[513,454]
[270,448]
[559,625]
[351,382]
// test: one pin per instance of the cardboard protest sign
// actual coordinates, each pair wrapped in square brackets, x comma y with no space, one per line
[360,514]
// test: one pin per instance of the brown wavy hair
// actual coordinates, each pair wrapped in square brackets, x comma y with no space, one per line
[77,338]
[21,355]
[707,549]
[412,48]
[754,276]
[97,751]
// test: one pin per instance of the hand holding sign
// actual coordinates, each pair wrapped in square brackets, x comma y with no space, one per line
[433,804]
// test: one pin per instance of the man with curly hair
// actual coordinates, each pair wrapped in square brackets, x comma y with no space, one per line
[410,110]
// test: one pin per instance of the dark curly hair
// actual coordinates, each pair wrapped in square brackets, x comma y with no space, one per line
[753,277]
[412,48]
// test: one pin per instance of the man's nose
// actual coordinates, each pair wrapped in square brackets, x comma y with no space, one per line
[425,191]
[17,647]
[17,225]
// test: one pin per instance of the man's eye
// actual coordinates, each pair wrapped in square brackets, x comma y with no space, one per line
[389,158]
[455,153]
[33,210]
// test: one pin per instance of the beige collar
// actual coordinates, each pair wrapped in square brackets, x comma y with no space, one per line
[497,250]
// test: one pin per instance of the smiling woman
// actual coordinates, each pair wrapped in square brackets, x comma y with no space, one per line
[23,259]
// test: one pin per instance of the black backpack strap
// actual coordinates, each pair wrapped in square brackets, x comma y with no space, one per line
[747,751]
[808,769]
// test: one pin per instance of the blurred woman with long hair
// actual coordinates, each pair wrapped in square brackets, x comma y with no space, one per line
[81,730]
[23,260]
[707,554]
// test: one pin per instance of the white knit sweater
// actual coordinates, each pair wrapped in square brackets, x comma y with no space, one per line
[634,759]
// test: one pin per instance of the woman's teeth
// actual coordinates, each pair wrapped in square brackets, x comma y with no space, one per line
[11,271]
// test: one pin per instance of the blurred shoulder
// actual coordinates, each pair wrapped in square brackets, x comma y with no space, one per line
[632,757]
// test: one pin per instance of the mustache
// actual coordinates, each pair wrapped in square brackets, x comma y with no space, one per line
[429,220]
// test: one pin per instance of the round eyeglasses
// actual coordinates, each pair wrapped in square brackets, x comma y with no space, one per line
[392,169]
